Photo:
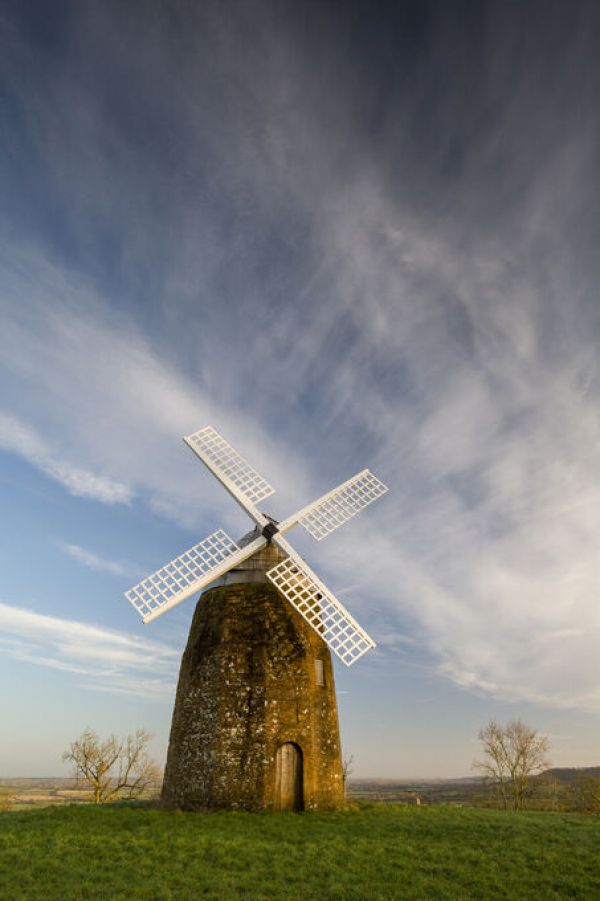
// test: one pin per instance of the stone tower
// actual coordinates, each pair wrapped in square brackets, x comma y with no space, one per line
[255,724]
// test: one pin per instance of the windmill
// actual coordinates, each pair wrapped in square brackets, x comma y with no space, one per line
[255,720]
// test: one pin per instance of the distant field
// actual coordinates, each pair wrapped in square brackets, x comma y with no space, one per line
[551,791]
[25,793]
[21,799]
[376,852]
[460,792]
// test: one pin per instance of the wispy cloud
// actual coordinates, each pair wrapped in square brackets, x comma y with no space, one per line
[103,658]
[18,437]
[427,310]
[93,561]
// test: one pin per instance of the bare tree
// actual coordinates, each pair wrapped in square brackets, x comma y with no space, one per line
[6,801]
[584,795]
[512,755]
[114,768]
[550,790]
[347,768]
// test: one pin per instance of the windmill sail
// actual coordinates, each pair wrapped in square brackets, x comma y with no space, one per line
[319,607]
[333,509]
[188,573]
[217,554]
[242,481]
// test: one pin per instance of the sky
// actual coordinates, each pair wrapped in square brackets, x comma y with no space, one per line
[345,236]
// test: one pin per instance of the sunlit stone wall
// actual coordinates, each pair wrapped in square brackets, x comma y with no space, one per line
[248,684]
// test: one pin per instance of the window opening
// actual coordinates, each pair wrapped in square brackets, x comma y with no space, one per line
[320,672]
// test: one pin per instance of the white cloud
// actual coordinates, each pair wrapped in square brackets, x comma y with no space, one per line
[93,561]
[104,658]
[18,437]
[445,337]
[485,545]
[132,405]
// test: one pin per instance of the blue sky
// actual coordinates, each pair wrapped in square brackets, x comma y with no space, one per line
[344,239]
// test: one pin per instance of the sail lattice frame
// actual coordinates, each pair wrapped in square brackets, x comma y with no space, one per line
[321,609]
[216,555]
[225,461]
[182,576]
[342,504]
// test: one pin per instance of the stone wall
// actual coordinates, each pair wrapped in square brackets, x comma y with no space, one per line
[247,685]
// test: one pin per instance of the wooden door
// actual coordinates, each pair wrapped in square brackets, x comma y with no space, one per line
[288,778]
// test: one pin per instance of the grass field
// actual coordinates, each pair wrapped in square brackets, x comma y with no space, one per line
[372,853]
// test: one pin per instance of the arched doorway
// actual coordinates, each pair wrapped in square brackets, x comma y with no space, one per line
[288,778]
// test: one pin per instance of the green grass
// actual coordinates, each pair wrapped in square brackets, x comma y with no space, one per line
[374,853]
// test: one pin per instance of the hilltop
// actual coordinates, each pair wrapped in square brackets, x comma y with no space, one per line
[376,852]
[570,774]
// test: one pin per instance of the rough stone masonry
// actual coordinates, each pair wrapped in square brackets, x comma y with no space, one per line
[255,724]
